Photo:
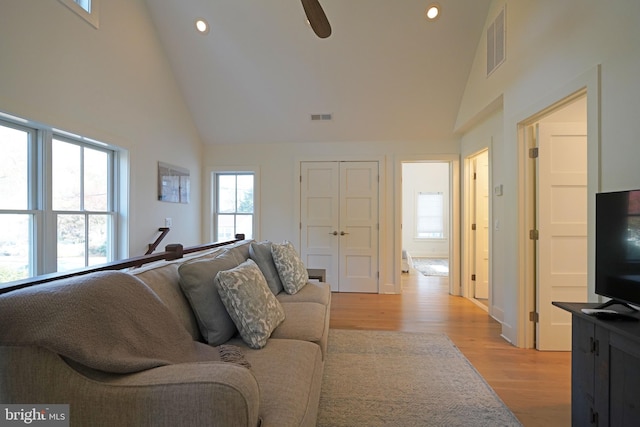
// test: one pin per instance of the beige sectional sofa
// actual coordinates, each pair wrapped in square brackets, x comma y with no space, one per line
[272,381]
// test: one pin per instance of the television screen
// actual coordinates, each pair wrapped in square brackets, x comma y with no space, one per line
[618,245]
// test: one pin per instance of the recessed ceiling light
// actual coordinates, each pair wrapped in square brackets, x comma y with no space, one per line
[202,26]
[433,12]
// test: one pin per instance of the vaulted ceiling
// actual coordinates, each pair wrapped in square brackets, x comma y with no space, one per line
[384,74]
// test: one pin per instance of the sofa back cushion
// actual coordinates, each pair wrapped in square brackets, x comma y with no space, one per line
[164,280]
[240,250]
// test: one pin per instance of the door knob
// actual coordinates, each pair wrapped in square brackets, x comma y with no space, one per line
[342,233]
[335,233]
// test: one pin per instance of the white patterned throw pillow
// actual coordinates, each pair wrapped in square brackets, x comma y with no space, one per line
[291,269]
[253,308]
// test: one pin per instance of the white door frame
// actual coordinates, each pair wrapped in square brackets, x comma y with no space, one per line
[467,237]
[454,220]
[589,84]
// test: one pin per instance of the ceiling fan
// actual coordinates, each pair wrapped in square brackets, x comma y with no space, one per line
[317,18]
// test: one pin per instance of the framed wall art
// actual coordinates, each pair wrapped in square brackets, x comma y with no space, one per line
[174,183]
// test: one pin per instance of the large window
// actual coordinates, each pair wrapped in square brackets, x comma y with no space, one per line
[234,205]
[57,202]
[430,215]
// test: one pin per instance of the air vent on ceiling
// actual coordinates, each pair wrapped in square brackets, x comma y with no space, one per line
[496,42]
[321,117]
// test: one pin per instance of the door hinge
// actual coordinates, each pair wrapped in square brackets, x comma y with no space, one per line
[475,176]
[534,234]
[473,227]
[473,277]
[534,316]
[533,153]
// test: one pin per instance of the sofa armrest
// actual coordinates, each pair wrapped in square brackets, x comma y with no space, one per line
[194,394]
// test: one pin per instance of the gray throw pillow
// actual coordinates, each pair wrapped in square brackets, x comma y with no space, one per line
[197,281]
[290,267]
[260,252]
[254,309]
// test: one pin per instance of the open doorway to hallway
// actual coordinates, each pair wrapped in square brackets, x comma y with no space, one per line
[426,218]
[477,276]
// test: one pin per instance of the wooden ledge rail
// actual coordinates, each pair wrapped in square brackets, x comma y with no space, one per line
[152,246]
[172,252]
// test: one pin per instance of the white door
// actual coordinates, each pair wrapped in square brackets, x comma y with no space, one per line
[562,229]
[339,223]
[358,229]
[482,225]
[319,216]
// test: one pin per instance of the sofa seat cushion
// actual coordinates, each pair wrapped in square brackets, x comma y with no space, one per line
[303,321]
[312,292]
[289,375]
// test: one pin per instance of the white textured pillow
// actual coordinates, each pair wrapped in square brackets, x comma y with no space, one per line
[253,308]
[291,269]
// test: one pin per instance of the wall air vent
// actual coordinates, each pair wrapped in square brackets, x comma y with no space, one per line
[321,117]
[496,42]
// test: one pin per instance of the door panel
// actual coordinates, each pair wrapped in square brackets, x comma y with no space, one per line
[359,223]
[562,226]
[339,222]
[319,210]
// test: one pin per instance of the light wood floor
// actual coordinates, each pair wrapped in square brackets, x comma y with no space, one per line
[535,385]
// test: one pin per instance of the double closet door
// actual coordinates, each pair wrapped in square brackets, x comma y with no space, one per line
[339,222]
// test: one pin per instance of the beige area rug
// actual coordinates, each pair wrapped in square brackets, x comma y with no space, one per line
[378,378]
[431,266]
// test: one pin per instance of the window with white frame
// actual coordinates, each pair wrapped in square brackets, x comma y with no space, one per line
[87,9]
[57,202]
[430,215]
[234,211]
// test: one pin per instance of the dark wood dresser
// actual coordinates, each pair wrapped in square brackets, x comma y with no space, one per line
[605,368]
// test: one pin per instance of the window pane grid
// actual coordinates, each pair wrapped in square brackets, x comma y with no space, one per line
[15,248]
[56,202]
[430,216]
[234,205]
[15,167]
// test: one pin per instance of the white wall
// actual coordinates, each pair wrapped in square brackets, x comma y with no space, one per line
[279,189]
[112,84]
[552,47]
[427,177]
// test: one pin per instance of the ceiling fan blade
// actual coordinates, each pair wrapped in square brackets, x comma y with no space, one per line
[317,18]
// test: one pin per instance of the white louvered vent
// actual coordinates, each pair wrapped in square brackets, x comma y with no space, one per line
[496,42]
[321,117]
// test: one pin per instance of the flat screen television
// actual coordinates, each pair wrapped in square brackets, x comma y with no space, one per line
[618,246]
